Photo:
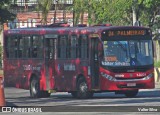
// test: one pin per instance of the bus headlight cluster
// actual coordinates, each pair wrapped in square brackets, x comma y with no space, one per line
[148,76]
[108,76]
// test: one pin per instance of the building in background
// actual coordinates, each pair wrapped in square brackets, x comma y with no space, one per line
[27,16]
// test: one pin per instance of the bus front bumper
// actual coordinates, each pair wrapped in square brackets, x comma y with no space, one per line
[117,85]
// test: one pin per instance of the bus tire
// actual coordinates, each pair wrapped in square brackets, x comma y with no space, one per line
[90,95]
[82,89]
[35,91]
[132,93]
[45,94]
[74,94]
[35,88]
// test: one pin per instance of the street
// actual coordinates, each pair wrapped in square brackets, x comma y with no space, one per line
[20,97]
[145,101]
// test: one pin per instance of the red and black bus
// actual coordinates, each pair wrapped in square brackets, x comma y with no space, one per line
[79,60]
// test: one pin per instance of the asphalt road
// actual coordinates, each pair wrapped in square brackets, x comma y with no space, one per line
[146,102]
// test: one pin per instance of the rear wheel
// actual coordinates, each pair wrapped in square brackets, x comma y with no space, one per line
[83,89]
[132,93]
[35,91]
[74,94]
[34,88]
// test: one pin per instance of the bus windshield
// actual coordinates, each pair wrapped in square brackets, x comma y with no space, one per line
[128,53]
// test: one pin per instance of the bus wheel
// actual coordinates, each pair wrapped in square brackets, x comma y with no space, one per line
[74,94]
[34,88]
[90,94]
[132,93]
[45,94]
[83,89]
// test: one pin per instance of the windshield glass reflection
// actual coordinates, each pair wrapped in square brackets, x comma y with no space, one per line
[128,53]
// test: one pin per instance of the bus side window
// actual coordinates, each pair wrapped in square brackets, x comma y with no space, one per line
[27,47]
[73,49]
[37,47]
[62,46]
[7,46]
[34,47]
[83,46]
[11,47]
[21,47]
[16,47]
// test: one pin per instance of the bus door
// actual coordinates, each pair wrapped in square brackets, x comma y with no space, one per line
[94,63]
[50,55]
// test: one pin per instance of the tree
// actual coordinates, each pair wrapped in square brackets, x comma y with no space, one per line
[118,12]
[44,6]
[5,15]
[78,8]
[148,15]
[102,11]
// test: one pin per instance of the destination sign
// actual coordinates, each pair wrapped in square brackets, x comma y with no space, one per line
[126,32]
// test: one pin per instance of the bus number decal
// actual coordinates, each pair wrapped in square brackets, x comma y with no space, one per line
[30,67]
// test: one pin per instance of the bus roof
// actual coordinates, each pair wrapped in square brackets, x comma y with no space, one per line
[68,30]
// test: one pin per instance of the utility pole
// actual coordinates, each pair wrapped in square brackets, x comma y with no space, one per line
[134,10]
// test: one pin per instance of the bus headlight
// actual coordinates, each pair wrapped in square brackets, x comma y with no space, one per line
[148,76]
[108,76]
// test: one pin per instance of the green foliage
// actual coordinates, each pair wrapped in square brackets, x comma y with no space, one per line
[157,64]
[118,12]
[5,15]
[44,6]
[4,3]
[148,13]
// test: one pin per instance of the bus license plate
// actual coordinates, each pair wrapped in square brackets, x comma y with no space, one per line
[131,84]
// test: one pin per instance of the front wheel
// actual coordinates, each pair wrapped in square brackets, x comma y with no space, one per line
[131,93]
[82,88]
[35,91]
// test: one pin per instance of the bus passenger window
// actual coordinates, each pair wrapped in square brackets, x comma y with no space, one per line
[34,47]
[83,43]
[73,50]
[34,52]
[37,47]
[24,46]
[12,47]
[62,46]
[28,46]
[16,47]
[21,47]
